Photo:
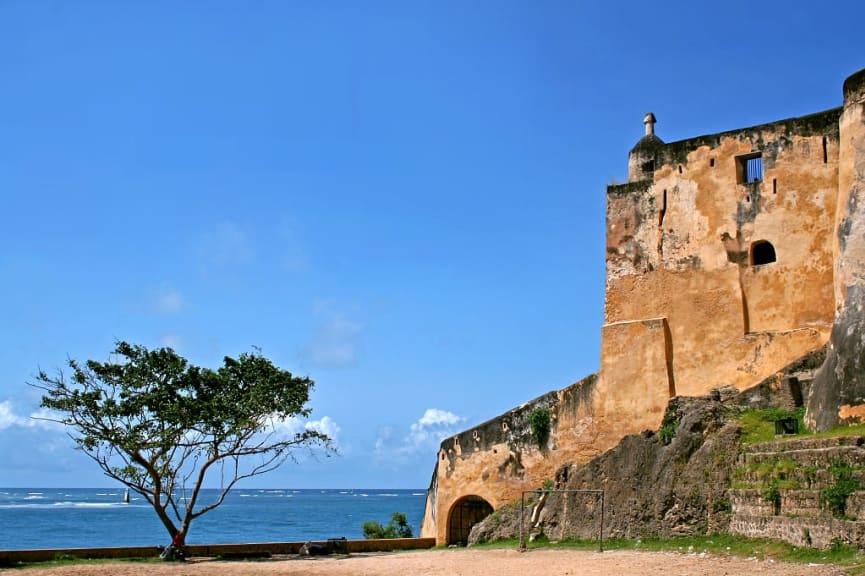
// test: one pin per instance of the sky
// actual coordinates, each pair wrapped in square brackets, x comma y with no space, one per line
[402,200]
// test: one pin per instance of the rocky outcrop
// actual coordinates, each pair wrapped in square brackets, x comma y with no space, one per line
[838,393]
[672,482]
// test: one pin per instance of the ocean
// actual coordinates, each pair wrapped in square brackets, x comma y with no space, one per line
[34,518]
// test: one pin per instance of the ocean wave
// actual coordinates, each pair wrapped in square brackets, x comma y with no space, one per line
[418,494]
[65,504]
[87,504]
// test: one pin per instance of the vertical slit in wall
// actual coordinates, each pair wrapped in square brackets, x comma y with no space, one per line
[825,155]
[711,162]
[663,208]
[661,215]
[668,349]
[774,185]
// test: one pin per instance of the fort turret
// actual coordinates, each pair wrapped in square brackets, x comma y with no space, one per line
[643,156]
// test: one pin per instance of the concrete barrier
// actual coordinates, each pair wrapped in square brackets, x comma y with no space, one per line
[11,557]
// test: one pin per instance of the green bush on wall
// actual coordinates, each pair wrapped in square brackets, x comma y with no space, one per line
[540,422]
[845,483]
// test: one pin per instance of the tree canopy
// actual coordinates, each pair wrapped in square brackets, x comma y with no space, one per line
[162,426]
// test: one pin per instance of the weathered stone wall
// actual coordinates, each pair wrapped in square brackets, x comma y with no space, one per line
[726,261]
[778,492]
[654,484]
[500,458]
[694,476]
[804,532]
[839,389]
[679,248]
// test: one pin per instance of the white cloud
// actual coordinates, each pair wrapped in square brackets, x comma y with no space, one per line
[291,426]
[41,418]
[435,417]
[326,426]
[7,416]
[434,426]
[423,436]
[336,340]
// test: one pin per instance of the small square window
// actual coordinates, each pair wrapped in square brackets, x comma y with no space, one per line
[749,168]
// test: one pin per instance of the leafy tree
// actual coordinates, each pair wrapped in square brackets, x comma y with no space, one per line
[161,426]
[398,527]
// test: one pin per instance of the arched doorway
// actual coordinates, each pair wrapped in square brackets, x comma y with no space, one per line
[465,513]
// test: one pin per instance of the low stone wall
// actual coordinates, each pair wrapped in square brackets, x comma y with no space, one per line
[12,557]
[799,472]
[804,532]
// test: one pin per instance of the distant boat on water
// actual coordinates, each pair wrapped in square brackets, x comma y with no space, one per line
[126,496]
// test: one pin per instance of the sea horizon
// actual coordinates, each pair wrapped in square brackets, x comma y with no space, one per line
[40,518]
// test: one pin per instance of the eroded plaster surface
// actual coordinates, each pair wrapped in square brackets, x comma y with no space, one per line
[727,258]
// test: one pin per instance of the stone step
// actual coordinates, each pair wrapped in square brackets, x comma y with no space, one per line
[804,503]
[806,443]
[810,456]
[805,476]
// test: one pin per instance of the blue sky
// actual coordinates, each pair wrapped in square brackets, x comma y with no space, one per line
[402,200]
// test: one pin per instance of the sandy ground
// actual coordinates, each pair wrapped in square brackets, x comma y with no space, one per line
[462,563]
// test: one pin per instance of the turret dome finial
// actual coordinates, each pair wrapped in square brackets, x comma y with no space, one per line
[649,120]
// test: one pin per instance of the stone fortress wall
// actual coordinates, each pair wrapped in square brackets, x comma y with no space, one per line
[723,267]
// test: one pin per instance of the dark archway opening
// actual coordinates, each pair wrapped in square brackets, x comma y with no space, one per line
[762,252]
[465,513]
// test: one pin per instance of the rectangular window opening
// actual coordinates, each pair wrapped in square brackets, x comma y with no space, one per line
[749,168]
[774,185]
[825,155]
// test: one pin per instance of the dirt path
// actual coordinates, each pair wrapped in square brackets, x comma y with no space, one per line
[463,563]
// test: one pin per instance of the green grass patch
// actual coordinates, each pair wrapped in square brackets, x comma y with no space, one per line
[854,430]
[720,544]
[759,425]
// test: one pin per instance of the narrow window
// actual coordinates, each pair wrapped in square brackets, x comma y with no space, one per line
[749,168]
[825,156]
[680,168]
[711,162]
[774,185]
[762,252]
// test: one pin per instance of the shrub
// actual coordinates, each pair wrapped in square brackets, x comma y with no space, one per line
[669,425]
[835,496]
[398,527]
[539,420]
